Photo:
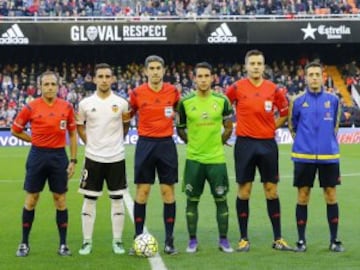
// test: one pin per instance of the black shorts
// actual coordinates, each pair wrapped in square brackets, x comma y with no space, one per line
[46,164]
[95,174]
[156,155]
[304,174]
[250,154]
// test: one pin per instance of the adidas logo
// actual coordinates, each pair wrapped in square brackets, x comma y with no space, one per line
[222,34]
[14,35]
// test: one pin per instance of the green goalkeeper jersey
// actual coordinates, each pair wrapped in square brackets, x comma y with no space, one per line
[202,117]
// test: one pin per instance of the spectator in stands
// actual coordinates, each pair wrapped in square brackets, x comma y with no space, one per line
[72,97]
[57,10]
[28,99]
[89,85]
[79,80]
[7,82]
[24,76]
[250,9]
[192,9]
[148,9]
[11,112]
[31,90]
[11,103]
[163,9]
[181,8]
[18,4]
[88,7]
[20,98]
[334,7]
[31,8]
[42,10]
[16,83]
[301,7]
[107,9]
[78,76]
[4,8]
[63,91]
[233,8]
[172,7]
[67,7]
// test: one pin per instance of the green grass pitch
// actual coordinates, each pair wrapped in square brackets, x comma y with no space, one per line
[44,238]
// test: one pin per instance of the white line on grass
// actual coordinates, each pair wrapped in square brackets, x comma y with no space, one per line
[156,262]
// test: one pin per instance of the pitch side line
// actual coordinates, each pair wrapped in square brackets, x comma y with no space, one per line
[156,262]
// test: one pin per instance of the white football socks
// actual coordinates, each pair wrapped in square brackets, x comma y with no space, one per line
[117,218]
[88,216]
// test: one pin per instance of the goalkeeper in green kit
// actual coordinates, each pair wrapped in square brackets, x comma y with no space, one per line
[204,124]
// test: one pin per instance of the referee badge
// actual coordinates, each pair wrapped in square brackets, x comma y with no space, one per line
[268,105]
[63,124]
[169,111]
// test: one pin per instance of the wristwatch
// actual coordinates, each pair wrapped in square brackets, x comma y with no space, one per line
[73,160]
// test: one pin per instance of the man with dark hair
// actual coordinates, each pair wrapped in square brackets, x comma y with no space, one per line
[256,99]
[315,114]
[102,124]
[51,118]
[202,115]
[154,102]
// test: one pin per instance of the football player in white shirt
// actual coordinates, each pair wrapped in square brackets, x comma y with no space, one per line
[102,123]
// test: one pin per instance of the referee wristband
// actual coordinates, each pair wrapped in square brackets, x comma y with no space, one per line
[73,160]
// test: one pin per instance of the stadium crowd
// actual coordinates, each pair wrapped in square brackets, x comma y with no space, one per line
[18,84]
[175,8]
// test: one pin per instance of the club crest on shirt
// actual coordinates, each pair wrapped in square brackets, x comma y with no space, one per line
[215,107]
[63,124]
[115,108]
[327,104]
